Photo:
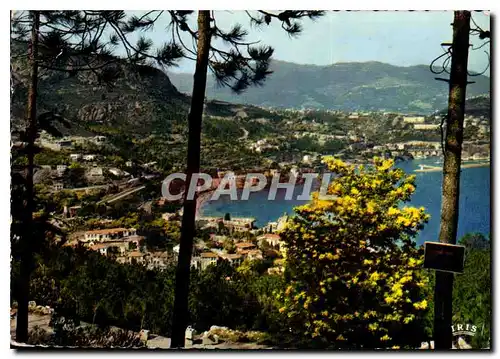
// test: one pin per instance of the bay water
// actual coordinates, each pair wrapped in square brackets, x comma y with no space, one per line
[474,208]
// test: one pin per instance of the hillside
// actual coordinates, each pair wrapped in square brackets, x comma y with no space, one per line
[343,86]
[145,101]
[478,106]
[142,115]
[142,101]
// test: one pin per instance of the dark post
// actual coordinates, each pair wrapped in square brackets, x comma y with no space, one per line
[180,315]
[443,294]
[27,236]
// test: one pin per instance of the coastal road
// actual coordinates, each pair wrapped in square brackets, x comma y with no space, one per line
[122,195]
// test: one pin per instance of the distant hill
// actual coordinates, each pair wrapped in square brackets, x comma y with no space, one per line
[343,86]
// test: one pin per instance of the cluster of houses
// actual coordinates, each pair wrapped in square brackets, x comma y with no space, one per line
[123,244]
[418,149]
[244,250]
[358,115]
[67,143]
[323,137]
[94,174]
[480,122]
[262,146]
[420,123]
[235,224]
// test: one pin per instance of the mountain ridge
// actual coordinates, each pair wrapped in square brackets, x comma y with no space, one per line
[368,86]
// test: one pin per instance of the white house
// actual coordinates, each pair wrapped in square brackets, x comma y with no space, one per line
[204,260]
[116,171]
[61,168]
[99,140]
[103,248]
[168,216]
[64,143]
[426,126]
[75,156]
[101,235]
[90,157]
[95,173]
[57,186]
[272,239]
[414,119]
[234,259]
[254,254]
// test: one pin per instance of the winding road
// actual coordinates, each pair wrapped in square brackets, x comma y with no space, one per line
[245,134]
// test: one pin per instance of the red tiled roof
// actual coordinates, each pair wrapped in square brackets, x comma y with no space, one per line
[109,244]
[208,255]
[232,256]
[270,236]
[136,254]
[244,245]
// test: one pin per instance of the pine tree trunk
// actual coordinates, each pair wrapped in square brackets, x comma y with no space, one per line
[451,174]
[26,238]
[181,312]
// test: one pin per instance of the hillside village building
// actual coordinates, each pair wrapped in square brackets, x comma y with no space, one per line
[103,248]
[99,140]
[204,260]
[102,235]
[90,157]
[136,257]
[60,169]
[414,119]
[58,186]
[244,246]
[425,126]
[273,240]
[95,174]
[234,259]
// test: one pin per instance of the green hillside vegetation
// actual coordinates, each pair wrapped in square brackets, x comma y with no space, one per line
[343,86]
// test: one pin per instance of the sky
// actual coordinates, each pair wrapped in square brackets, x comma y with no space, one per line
[401,38]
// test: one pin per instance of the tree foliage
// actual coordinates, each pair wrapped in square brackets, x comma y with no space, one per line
[355,273]
[85,286]
[472,289]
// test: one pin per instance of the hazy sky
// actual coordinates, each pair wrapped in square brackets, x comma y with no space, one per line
[396,37]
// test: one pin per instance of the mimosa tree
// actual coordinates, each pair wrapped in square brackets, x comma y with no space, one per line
[355,275]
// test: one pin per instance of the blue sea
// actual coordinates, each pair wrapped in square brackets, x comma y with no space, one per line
[474,211]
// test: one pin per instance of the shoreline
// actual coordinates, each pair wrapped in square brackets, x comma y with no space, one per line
[463,165]
[201,200]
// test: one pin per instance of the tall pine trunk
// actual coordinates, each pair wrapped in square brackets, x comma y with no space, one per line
[451,174]
[181,312]
[26,238]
